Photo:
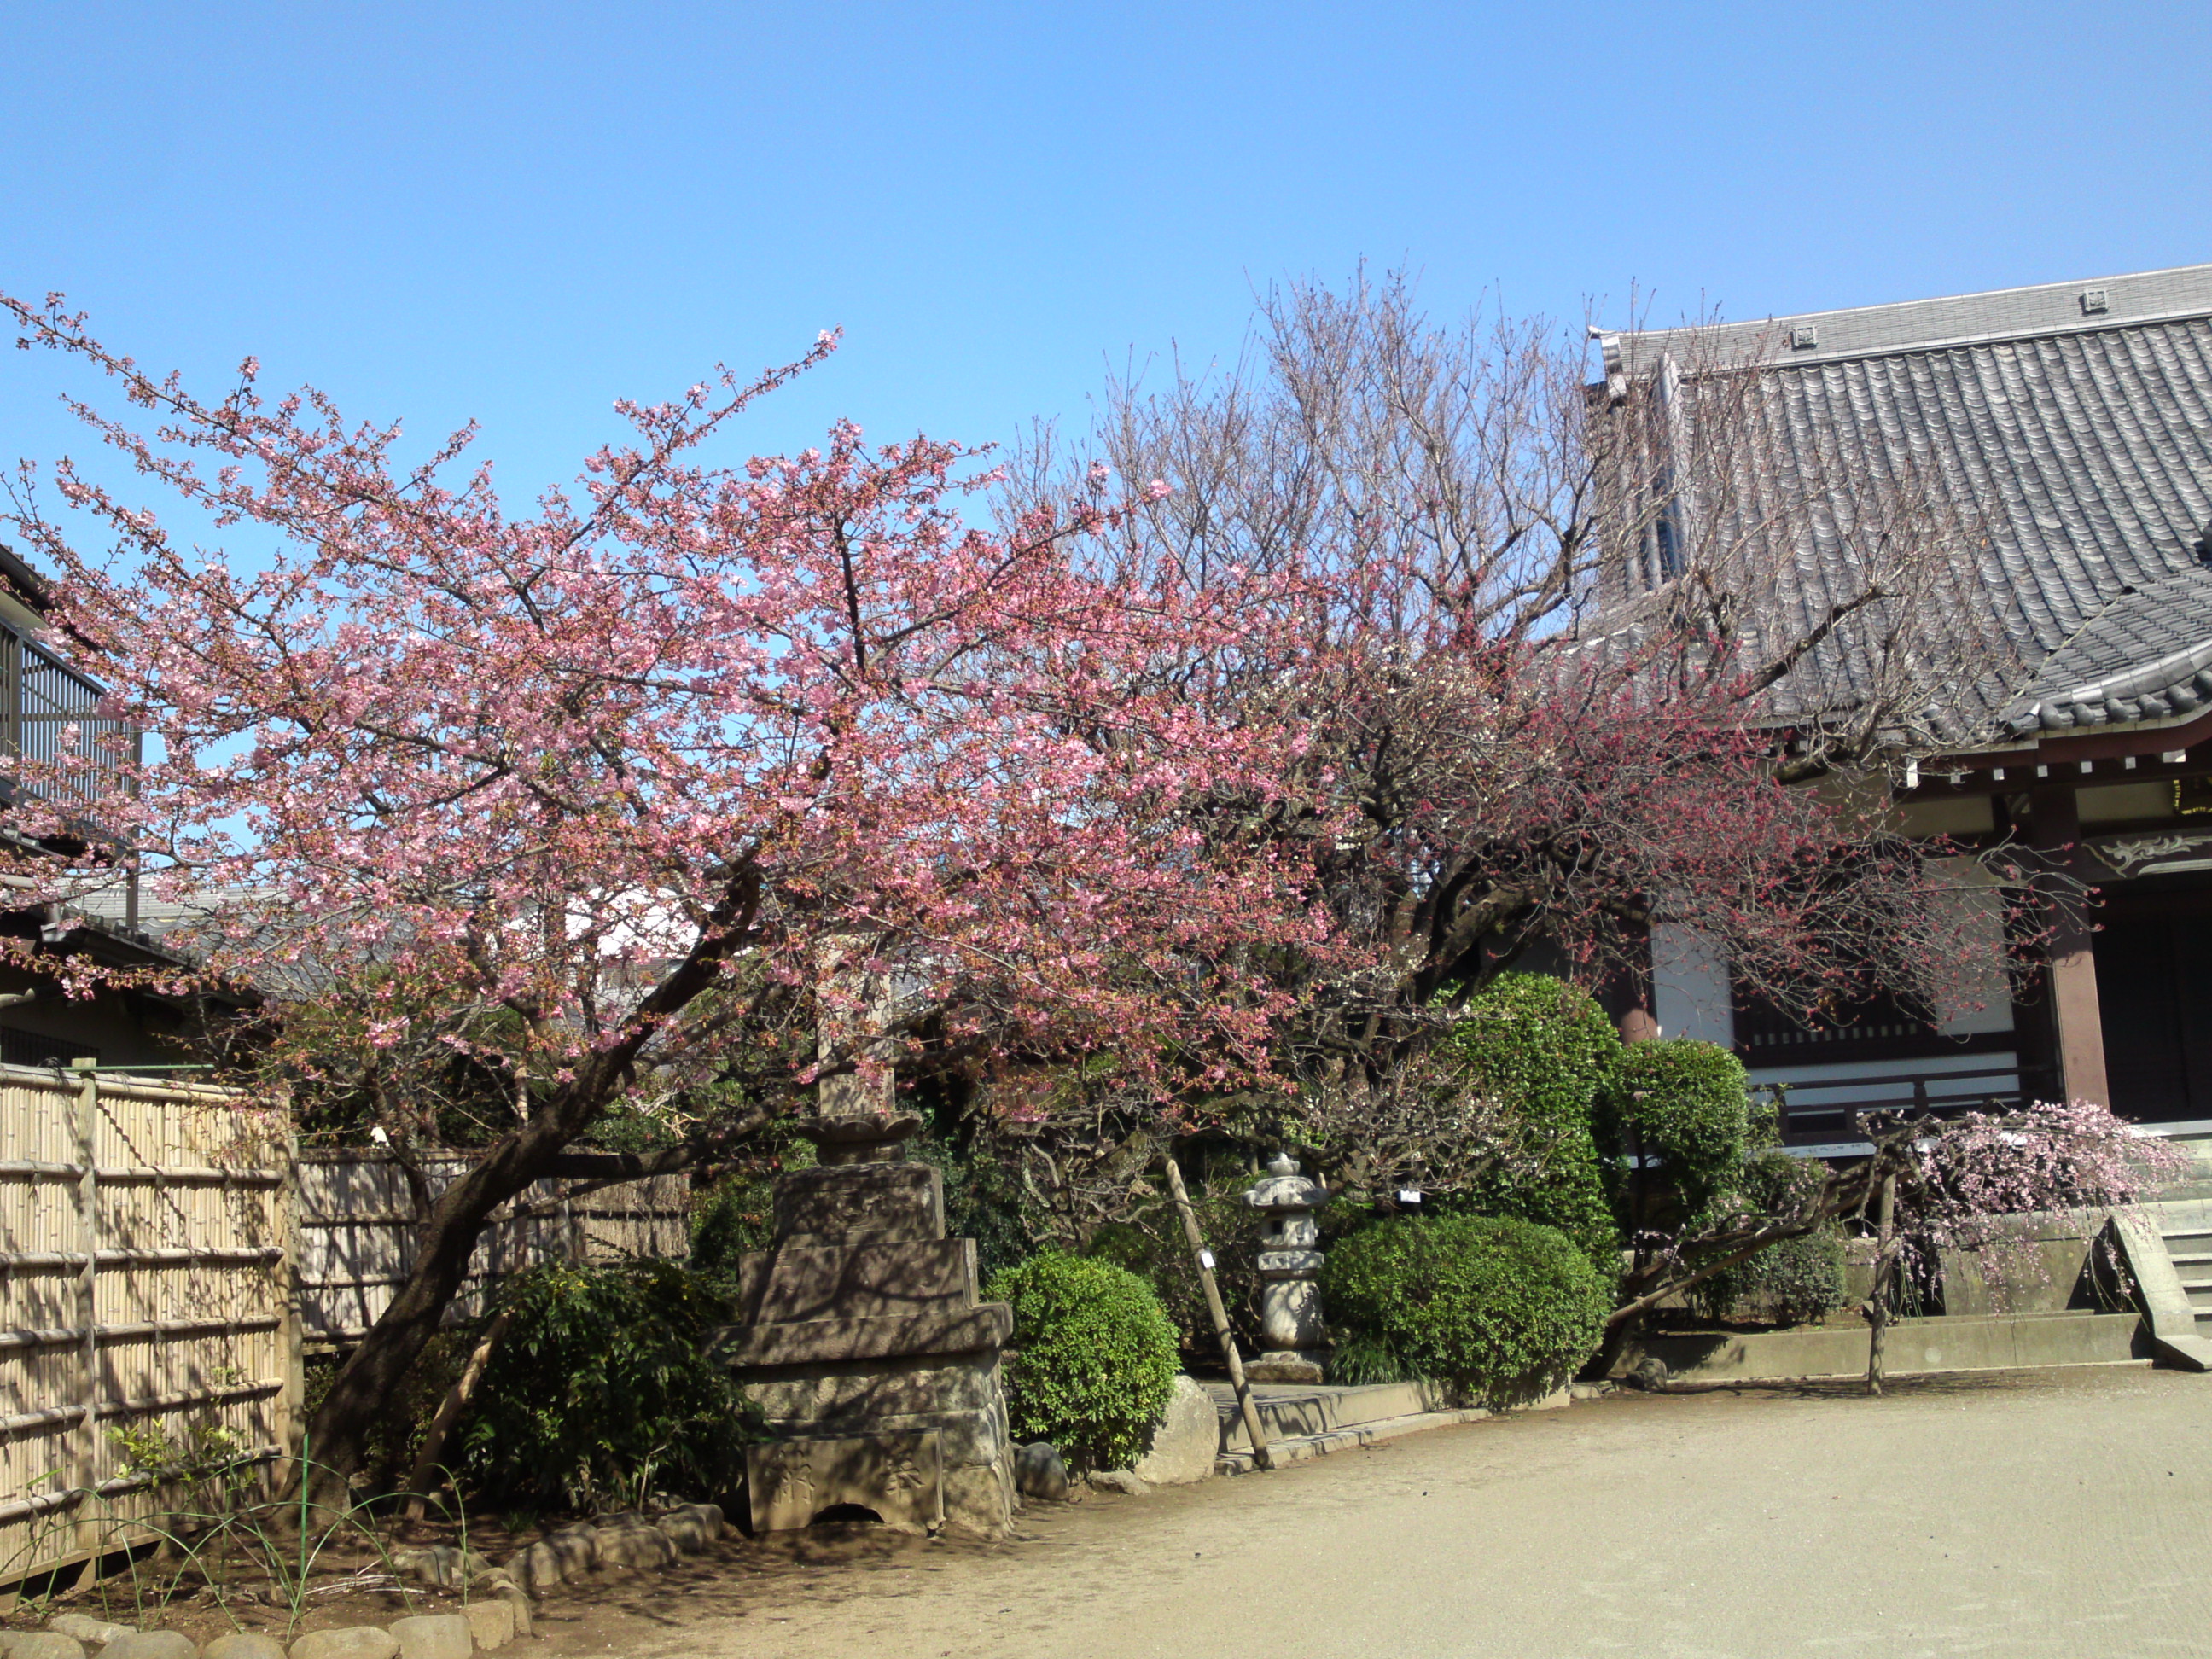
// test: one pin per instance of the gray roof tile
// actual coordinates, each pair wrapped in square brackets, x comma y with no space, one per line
[2083,441]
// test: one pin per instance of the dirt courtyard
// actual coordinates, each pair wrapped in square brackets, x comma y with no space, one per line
[2068,1513]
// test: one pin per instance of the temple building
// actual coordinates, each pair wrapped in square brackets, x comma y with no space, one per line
[2072,422]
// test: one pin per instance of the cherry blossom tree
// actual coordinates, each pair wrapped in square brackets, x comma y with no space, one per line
[583,793]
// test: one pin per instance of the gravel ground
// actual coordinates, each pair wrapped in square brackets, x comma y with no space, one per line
[2064,1514]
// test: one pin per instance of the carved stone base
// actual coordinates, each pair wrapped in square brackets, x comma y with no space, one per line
[1285,1366]
[866,1348]
[898,1477]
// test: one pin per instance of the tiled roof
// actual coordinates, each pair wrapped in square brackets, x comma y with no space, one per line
[2080,438]
[2145,656]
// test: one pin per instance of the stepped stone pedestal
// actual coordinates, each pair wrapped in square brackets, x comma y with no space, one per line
[1290,1301]
[864,1345]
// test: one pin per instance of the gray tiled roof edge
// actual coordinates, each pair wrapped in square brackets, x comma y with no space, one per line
[2177,294]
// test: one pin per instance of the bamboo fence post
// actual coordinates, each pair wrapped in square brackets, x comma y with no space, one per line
[87,1307]
[1261,1457]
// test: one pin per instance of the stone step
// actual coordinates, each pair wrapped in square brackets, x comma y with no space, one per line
[1303,1448]
[1288,1412]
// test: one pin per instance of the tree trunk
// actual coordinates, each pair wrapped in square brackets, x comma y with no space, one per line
[1878,1299]
[338,1435]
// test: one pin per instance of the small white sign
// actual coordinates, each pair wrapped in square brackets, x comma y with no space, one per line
[1206,1260]
[1407,1195]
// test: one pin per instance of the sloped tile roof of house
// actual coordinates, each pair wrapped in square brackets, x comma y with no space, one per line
[2074,417]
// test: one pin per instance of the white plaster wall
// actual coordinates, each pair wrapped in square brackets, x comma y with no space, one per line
[1689,988]
[1981,1001]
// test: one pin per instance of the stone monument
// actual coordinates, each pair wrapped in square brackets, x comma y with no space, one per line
[864,1342]
[1290,1302]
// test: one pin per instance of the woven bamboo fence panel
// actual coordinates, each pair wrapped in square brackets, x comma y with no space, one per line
[359,1210]
[144,1291]
[163,1257]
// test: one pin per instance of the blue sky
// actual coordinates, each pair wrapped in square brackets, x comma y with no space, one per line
[519,212]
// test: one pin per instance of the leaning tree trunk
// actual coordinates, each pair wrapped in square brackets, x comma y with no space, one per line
[337,1435]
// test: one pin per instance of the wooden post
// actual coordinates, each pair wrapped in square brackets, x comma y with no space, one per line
[424,1475]
[1878,1300]
[86,1473]
[2079,1028]
[291,1336]
[1261,1457]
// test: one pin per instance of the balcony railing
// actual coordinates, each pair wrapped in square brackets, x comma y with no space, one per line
[41,699]
[1829,1111]
[48,714]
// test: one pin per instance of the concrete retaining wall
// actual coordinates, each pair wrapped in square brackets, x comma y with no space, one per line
[1969,1343]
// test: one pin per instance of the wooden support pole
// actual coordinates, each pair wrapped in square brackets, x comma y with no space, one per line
[449,1411]
[1878,1298]
[1261,1457]
[2078,1021]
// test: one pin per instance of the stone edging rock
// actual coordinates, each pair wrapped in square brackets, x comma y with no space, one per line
[501,1613]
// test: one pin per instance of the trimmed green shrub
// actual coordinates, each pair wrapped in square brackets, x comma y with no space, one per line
[1094,1358]
[1542,1048]
[603,1391]
[1503,1311]
[1686,1103]
[1792,1283]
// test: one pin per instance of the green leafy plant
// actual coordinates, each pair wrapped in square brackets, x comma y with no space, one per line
[226,1536]
[1150,1244]
[604,1389]
[1359,1359]
[1672,1122]
[1503,1310]
[1094,1357]
[984,1201]
[1543,1048]
[1792,1283]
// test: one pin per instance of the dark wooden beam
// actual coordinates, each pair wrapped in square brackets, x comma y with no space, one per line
[2055,828]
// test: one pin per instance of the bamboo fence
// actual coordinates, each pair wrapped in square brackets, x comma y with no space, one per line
[164,1257]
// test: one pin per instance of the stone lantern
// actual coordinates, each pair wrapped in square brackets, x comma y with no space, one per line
[1290,1302]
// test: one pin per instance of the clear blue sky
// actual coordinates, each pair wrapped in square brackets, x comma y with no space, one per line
[518,212]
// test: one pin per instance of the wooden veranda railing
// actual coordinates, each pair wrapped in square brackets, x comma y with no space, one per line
[1829,1110]
[50,713]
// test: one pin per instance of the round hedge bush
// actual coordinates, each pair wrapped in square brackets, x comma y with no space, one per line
[1542,1048]
[1687,1103]
[1094,1358]
[1503,1311]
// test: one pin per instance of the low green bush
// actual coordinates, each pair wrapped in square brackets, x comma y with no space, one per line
[1094,1358]
[1543,1048]
[1503,1310]
[1792,1283]
[1687,1104]
[603,1391]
